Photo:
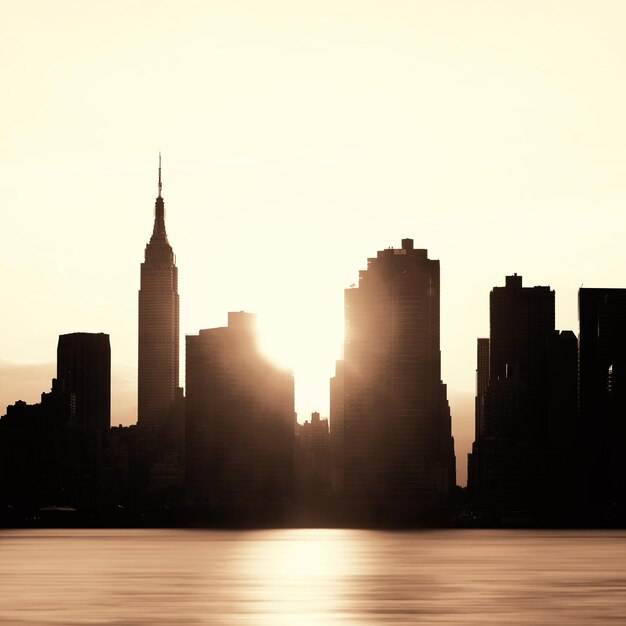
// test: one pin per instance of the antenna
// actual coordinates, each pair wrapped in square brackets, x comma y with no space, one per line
[160,184]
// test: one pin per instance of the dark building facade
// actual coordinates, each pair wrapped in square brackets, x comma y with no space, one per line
[337,427]
[398,451]
[526,409]
[240,422]
[38,455]
[51,453]
[602,374]
[158,363]
[313,453]
[84,370]
[482,380]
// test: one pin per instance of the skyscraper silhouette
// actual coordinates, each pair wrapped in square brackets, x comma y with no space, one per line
[52,452]
[337,426]
[240,422]
[158,325]
[602,363]
[84,373]
[482,380]
[525,410]
[84,370]
[398,448]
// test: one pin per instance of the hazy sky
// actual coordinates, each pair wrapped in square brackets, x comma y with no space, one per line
[298,139]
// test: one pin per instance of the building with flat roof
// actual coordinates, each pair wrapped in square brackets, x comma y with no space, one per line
[602,379]
[240,421]
[84,370]
[398,452]
[522,457]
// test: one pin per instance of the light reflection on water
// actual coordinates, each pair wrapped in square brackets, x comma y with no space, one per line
[312,577]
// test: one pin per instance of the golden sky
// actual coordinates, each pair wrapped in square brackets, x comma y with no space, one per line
[298,139]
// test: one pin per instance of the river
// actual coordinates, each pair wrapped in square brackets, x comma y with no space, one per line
[305,577]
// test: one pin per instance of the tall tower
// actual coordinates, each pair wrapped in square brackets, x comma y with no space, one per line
[602,376]
[398,448]
[525,408]
[240,420]
[337,426]
[158,325]
[520,320]
[84,369]
[83,374]
[482,380]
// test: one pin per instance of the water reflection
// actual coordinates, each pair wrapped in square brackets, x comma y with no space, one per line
[294,577]
[311,577]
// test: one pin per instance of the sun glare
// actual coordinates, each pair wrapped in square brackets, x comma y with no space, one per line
[308,344]
[306,575]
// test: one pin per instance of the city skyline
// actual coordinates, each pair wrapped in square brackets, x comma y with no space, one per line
[296,141]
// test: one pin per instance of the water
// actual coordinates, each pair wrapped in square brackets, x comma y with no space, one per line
[311,577]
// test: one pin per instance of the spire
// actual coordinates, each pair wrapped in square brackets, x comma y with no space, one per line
[158,232]
[160,184]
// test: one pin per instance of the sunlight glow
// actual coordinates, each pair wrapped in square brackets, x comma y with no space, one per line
[303,581]
[307,344]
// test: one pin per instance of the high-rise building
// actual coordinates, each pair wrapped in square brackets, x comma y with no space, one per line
[520,320]
[42,460]
[314,449]
[482,381]
[52,452]
[240,421]
[84,370]
[602,372]
[313,461]
[337,427]
[158,326]
[398,450]
[526,407]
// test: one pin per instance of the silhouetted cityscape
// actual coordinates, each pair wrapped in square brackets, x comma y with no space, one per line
[550,437]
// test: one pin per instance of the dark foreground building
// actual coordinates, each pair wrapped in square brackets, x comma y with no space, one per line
[398,456]
[337,428]
[521,465]
[602,316]
[51,453]
[84,370]
[240,425]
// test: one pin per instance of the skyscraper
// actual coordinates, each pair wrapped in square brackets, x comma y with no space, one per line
[482,380]
[158,325]
[398,448]
[525,407]
[521,318]
[52,452]
[337,426]
[240,421]
[84,373]
[84,370]
[602,363]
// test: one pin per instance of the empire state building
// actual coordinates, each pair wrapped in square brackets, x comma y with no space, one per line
[158,325]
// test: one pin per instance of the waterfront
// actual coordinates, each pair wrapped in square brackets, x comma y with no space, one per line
[311,577]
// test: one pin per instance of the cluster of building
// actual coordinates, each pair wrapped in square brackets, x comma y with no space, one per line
[230,448]
[550,415]
[550,410]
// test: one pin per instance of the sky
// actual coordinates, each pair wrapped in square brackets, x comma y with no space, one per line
[299,138]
